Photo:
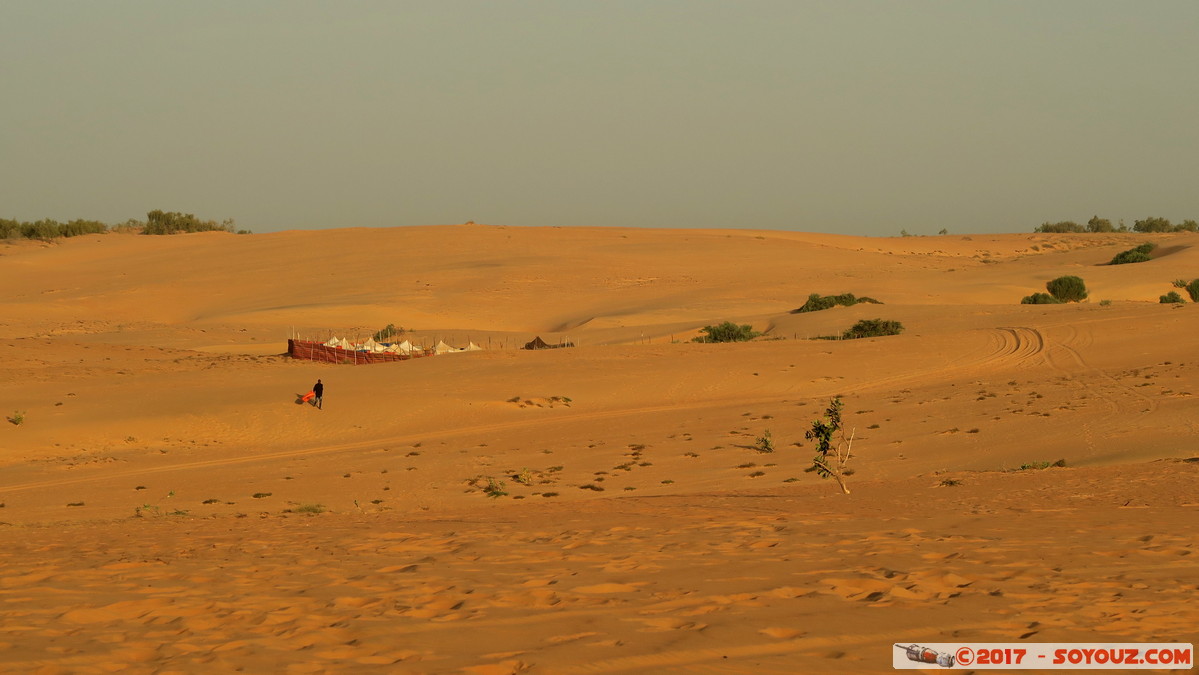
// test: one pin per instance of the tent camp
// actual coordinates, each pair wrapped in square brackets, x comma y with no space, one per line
[538,343]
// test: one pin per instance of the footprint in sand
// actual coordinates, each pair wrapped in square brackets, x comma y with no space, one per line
[609,588]
[782,633]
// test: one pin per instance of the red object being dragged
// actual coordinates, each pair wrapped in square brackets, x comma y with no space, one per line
[309,396]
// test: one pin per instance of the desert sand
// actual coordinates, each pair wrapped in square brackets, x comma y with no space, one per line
[166,506]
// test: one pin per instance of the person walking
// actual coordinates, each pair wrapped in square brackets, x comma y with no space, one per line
[319,390]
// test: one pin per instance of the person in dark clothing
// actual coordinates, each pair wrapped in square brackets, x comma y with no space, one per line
[319,390]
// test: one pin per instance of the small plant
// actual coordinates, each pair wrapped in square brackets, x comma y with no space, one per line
[525,477]
[1193,290]
[950,482]
[309,508]
[1134,255]
[872,328]
[491,487]
[17,417]
[764,442]
[1105,303]
[1171,298]
[153,508]
[817,302]
[1037,466]
[1067,289]
[591,486]
[1180,283]
[727,332]
[260,495]
[1040,299]
[833,447]
[387,333]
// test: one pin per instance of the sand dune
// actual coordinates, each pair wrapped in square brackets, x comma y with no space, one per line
[160,493]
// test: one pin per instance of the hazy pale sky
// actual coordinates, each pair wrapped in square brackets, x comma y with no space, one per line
[838,116]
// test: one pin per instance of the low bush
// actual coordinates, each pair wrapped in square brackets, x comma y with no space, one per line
[46,229]
[1193,290]
[1067,289]
[1172,298]
[1040,299]
[872,328]
[727,332]
[170,222]
[1066,226]
[1134,255]
[817,302]
[387,333]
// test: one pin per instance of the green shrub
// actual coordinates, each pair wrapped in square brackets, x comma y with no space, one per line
[1038,466]
[872,328]
[310,508]
[833,447]
[1134,255]
[1063,227]
[1040,299]
[387,333]
[46,229]
[1193,290]
[817,302]
[1153,224]
[727,332]
[1067,289]
[170,222]
[1172,298]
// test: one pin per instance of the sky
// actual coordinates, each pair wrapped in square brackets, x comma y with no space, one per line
[851,117]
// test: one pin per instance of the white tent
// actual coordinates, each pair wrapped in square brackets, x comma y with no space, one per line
[343,344]
[443,348]
[332,343]
[472,347]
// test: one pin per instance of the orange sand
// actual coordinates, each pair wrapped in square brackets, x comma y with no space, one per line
[154,492]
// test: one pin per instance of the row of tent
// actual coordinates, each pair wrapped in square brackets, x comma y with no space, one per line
[405,348]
